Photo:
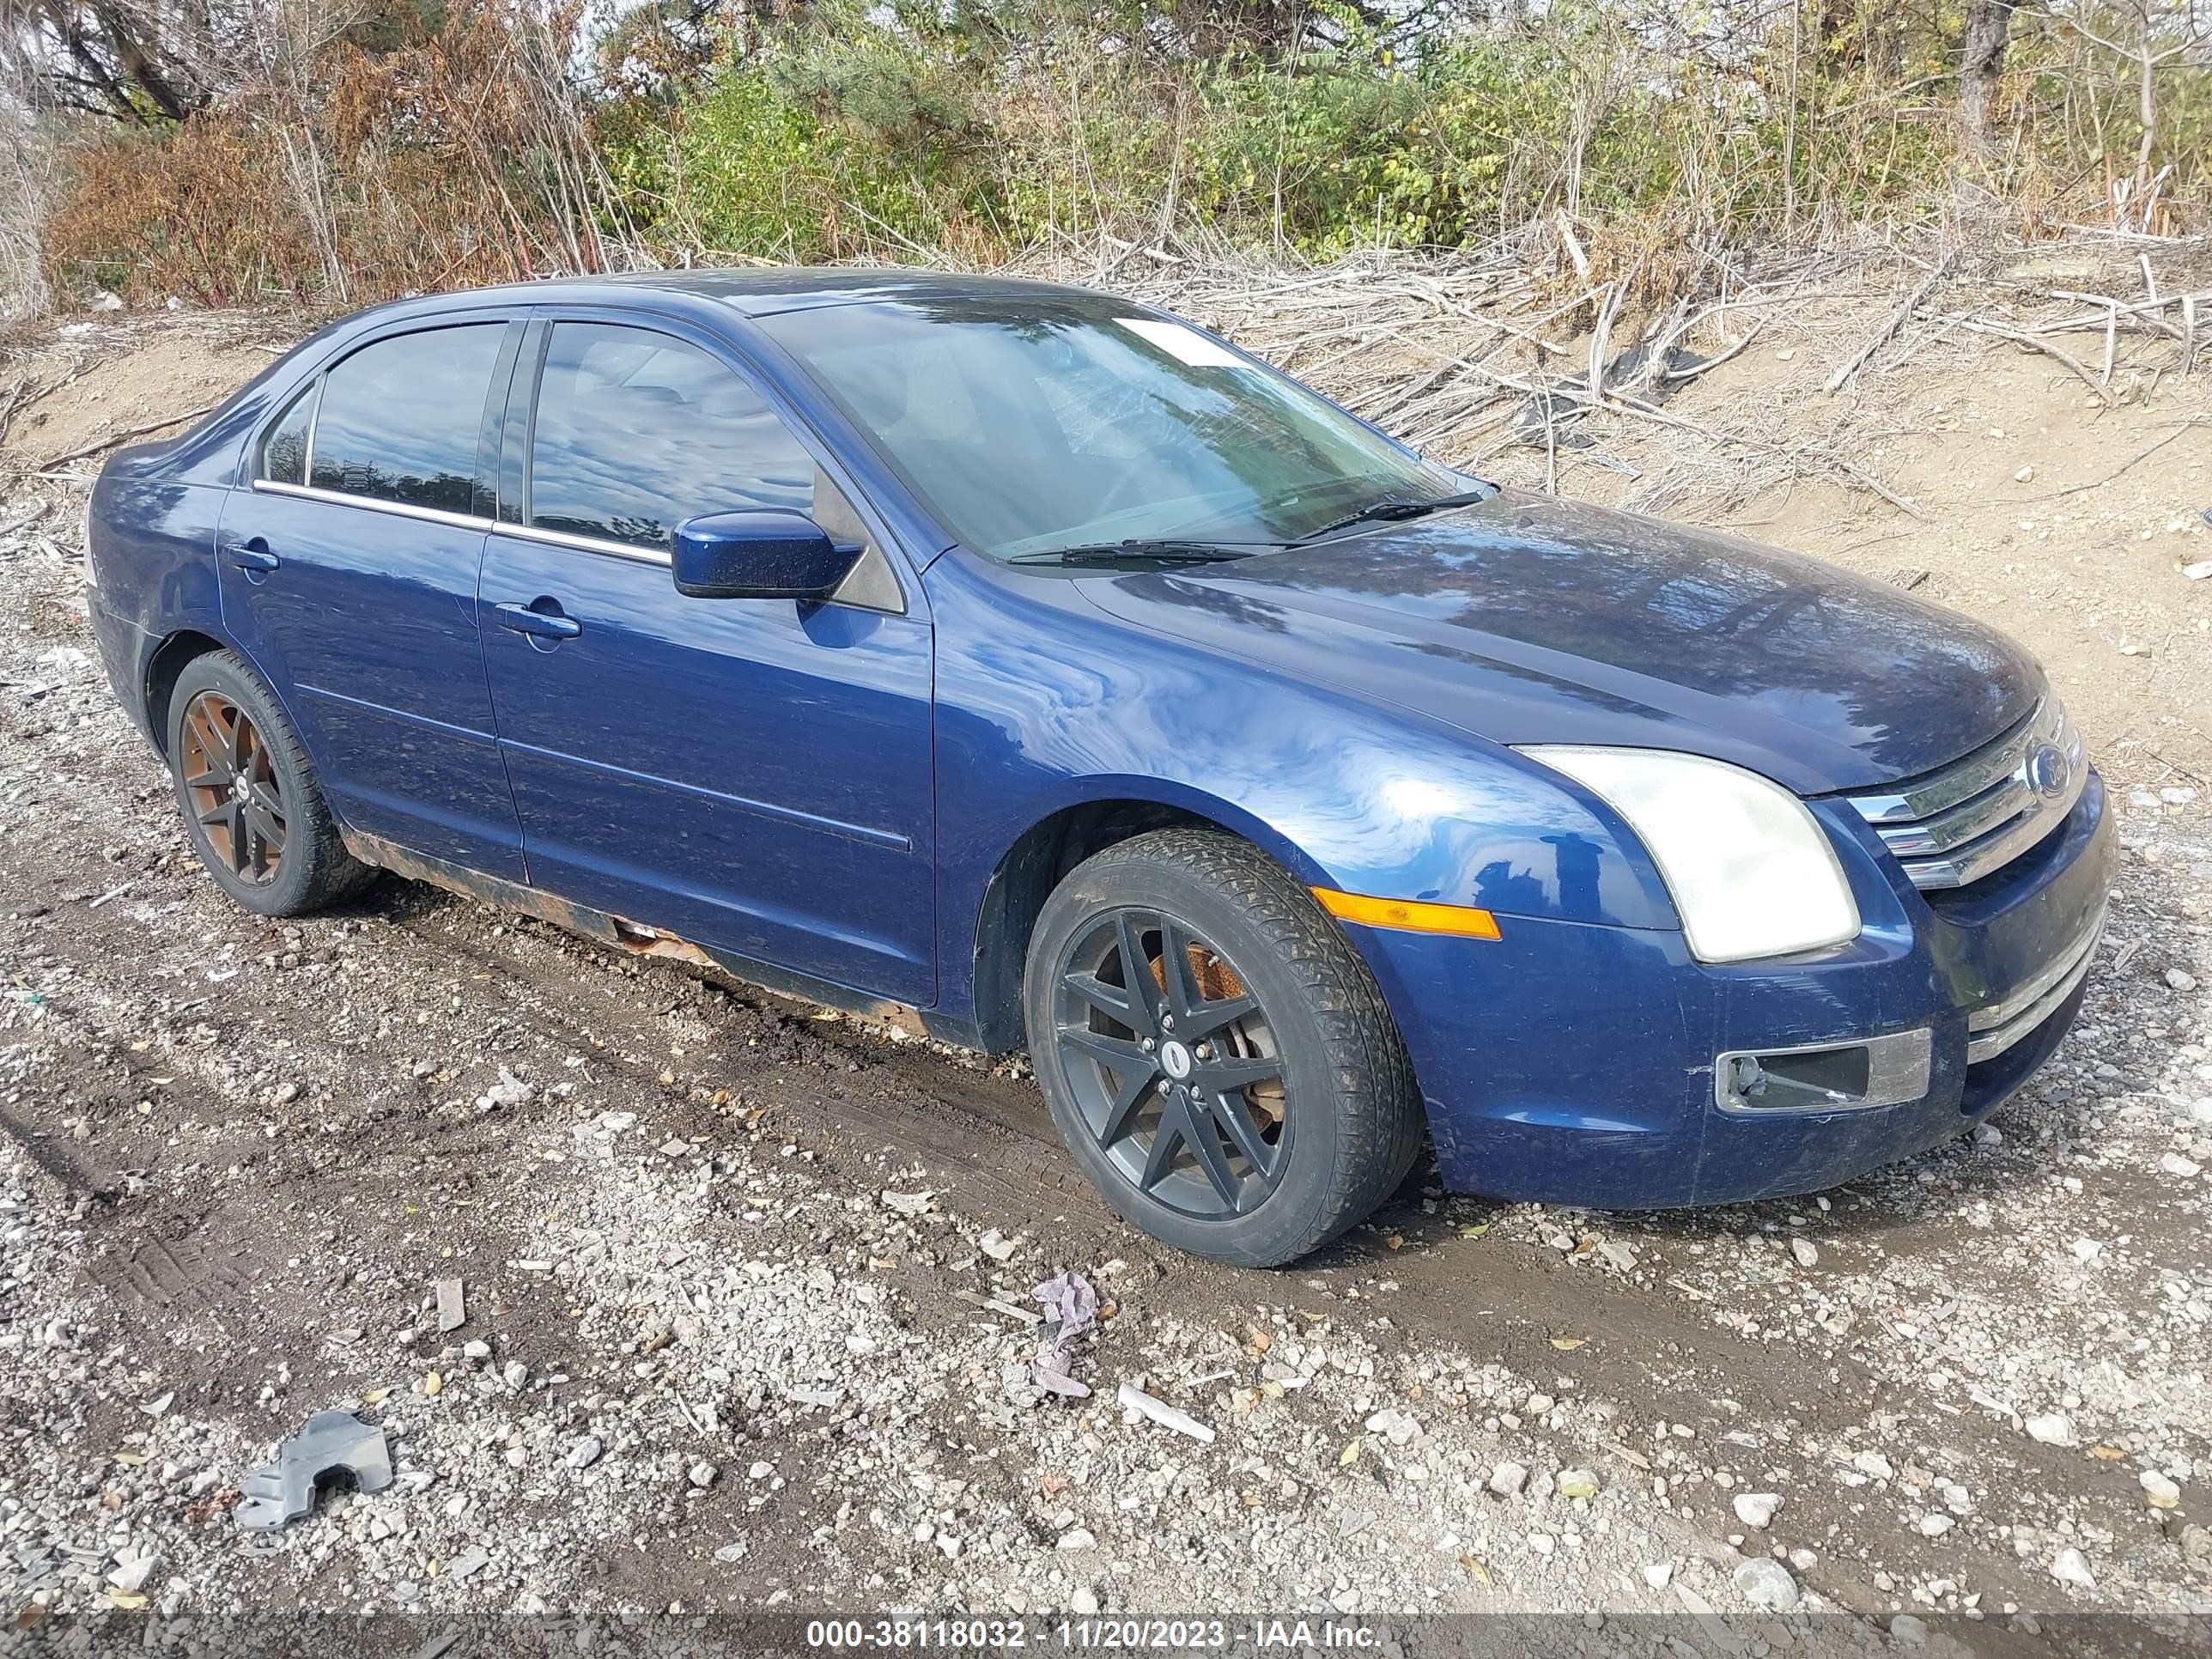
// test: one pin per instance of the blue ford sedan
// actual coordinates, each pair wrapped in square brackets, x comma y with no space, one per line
[1039,668]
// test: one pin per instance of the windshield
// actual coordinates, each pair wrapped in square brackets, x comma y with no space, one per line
[1028,425]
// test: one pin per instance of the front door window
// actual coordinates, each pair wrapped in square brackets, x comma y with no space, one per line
[638,431]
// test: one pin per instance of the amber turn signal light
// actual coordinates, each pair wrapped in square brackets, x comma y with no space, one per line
[1411,915]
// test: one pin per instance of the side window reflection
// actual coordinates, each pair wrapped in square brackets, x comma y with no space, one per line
[400,419]
[637,431]
[284,452]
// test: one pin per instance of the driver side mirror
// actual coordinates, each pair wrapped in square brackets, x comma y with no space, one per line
[767,555]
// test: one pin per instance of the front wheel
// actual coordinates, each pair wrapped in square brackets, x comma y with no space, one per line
[1215,1054]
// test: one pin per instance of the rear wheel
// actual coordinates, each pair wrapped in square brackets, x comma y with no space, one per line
[1215,1054]
[250,801]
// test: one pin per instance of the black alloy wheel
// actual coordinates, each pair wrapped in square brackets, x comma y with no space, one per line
[1172,1064]
[1216,1056]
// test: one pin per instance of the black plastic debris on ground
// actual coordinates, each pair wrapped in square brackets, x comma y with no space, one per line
[332,1444]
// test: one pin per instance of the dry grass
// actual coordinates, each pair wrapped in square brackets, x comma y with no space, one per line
[28,179]
[462,156]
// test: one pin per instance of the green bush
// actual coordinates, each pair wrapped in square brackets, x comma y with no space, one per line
[982,132]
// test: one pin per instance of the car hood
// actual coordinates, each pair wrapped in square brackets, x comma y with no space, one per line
[1529,619]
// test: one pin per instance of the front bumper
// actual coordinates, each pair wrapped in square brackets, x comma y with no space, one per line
[1575,1064]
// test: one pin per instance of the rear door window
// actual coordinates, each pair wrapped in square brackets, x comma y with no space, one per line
[284,451]
[636,431]
[400,419]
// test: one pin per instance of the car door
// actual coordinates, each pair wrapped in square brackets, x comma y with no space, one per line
[349,574]
[754,775]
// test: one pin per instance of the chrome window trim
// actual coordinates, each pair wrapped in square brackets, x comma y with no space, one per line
[1899,1067]
[1974,816]
[318,381]
[741,360]
[553,319]
[663,561]
[468,521]
[374,504]
[531,532]
[659,558]
[315,420]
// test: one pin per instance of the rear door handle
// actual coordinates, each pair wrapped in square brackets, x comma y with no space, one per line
[545,624]
[254,556]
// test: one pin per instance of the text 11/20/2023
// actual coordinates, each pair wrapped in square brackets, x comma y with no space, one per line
[1134,1635]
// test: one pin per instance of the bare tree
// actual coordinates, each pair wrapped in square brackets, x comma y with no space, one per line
[1981,60]
[137,60]
[2151,36]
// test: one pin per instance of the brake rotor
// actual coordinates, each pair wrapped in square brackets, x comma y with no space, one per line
[1217,981]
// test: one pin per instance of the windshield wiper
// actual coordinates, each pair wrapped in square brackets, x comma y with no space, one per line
[1384,511]
[1161,550]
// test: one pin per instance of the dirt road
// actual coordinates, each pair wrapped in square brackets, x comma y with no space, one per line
[749,1288]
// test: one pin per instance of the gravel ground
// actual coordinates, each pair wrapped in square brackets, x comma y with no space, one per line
[748,1296]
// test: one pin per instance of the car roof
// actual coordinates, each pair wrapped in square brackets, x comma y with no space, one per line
[763,290]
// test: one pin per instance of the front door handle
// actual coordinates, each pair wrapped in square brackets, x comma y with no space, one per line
[253,556]
[544,624]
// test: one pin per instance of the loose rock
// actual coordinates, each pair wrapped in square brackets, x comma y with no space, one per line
[1757,1509]
[452,1309]
[1765,1583]
[2070,1567]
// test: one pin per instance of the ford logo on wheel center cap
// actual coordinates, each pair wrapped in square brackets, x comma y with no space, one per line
[1175,1060]
[2049,771]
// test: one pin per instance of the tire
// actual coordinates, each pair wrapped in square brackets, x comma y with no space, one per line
[274,848]
[1285,1125]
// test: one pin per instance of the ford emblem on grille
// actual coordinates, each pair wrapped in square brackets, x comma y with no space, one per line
[2049,771]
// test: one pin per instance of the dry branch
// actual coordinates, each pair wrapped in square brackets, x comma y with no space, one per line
[1983,325]
[14,399]
[1449,351]
[1903,313]
[54,463]
[2182,427]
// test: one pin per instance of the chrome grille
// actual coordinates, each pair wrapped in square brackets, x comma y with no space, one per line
[1956,825]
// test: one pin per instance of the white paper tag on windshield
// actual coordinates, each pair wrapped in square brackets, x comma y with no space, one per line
[1185,344]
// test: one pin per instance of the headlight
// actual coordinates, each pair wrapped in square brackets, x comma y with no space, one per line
[1751,873]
